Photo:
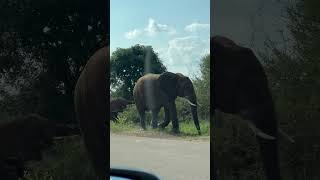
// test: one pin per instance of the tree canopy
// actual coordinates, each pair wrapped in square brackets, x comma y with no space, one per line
[202,86]
[43,48]
[127,65]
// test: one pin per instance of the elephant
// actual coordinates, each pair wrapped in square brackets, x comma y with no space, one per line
[23,139]
[117,105]
[91,102]
[62,130]
[153,91]
[241,87]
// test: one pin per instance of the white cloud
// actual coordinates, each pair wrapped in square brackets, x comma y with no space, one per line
[151,29]
[183,54]
[132,34]
[195,27]
[154,28]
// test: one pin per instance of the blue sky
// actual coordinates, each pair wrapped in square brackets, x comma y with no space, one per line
[178,30]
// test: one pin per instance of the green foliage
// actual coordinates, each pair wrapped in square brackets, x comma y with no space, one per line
[131,116]
[44,46]
[187,128]
[128,120]
[129,64]
[202,87]
[236,150]
[183,110]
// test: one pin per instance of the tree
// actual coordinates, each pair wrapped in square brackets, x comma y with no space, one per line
[294,74]
[60,36]
[294,77]
[129,64]
[202,86]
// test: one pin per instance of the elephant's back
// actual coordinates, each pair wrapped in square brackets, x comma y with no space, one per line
[144,87]
[143,81]
[91,104]
[149,77]
[90,86]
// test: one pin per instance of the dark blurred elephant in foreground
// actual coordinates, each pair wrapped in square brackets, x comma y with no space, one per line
[91,103]
[153,91]
[23,139]
[117,105]
[241,87]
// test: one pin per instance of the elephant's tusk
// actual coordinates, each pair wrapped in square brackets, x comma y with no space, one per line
[191,103]
[259,132]
[286,135]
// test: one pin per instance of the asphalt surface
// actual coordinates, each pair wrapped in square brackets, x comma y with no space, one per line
[169,159]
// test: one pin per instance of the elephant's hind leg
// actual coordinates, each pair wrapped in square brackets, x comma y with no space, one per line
[155,118]
[142,119]
[166,120]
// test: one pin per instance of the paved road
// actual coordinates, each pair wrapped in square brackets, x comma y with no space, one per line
[168,158]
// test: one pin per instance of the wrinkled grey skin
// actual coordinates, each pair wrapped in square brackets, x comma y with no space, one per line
[153,91]
[117,105]
[91,101]
[241,87]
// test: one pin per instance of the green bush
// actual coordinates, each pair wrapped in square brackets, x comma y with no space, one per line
[202,88]
[130,114]
[236,150]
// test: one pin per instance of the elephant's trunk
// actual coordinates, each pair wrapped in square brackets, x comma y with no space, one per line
[193,105]
[262,121]
[269,147]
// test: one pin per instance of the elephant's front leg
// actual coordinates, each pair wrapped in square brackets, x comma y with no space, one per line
[166,120]
[173,117]
[155,118]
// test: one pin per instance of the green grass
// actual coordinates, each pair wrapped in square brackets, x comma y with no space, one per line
[126,125]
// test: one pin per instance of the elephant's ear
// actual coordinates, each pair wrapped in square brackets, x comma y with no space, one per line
[168,84]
